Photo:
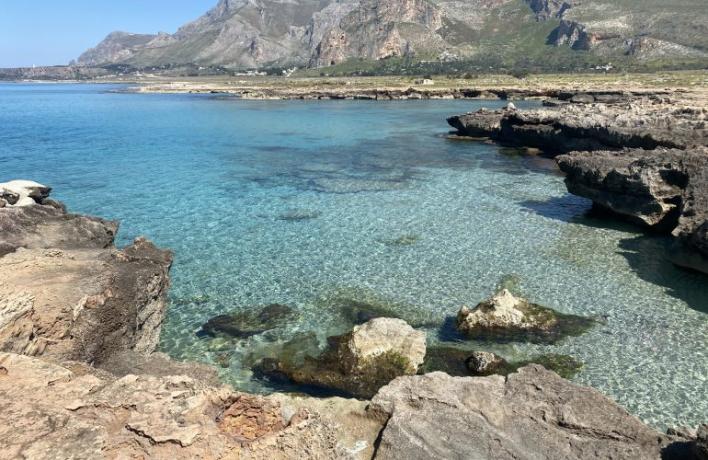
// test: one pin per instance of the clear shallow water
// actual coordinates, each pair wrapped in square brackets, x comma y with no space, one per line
[216,181]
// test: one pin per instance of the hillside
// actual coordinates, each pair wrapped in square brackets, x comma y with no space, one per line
[241,34]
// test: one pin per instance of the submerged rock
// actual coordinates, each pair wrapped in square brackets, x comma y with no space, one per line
[248,323]
[531,414]
[357,363]
[462,363]
[485,363]
[509,318]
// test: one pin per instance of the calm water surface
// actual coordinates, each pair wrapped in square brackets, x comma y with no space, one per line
[299,203]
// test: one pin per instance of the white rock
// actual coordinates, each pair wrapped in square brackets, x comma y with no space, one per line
[23,192]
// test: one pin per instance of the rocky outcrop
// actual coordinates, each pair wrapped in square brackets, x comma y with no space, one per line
[70,410]
[357,363]
[68,293]
[701,446]
[643,123]
[507,317]
[531,414]
[644,160]
[550,9]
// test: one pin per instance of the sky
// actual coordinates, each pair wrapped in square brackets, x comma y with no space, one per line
[53,32]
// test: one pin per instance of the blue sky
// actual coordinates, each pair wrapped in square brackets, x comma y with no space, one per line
[49,32]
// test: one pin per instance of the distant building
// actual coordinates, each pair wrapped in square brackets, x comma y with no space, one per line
[425,81]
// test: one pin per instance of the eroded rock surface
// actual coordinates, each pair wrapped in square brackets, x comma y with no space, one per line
[532,414]
[507,317]
[68,293]
[357,363]
[53,411]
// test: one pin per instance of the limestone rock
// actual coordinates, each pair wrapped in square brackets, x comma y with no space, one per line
[484,363]
[23,192]
[357,363]
[507,317]
[531,414]
[247,323]
[67,292]
[53,411]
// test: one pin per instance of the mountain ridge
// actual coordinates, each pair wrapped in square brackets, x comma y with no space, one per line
[251,34]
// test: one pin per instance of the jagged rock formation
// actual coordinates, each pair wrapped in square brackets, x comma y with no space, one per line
[666,190]
[68,293]
[645,160]
[532,414]
[258,33]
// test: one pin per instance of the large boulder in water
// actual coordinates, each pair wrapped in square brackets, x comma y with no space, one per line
[507,317]
[357,363]
[531,414]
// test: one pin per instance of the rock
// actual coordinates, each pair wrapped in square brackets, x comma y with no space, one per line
[248,323]
[663,189]
[510,106]
[484,363]
[53,411]
[462,363]
[23,192]
[509,318]
[530,414]
[582,98]
[357,363]
[701,446]
[483,123]
[92,301]
[638,123]
[50,226]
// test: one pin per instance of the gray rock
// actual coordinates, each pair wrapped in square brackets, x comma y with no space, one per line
[532,414]
[484,363]
[701,446]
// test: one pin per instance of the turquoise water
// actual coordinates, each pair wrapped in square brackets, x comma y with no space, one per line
[219,182]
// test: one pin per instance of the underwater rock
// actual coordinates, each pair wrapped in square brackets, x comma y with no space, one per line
[403,240]
[505,317]
[484,363]
[357,363]
[247,323]
[462,363]
[296,215]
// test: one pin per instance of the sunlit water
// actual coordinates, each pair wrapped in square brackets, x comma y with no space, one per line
[215,180]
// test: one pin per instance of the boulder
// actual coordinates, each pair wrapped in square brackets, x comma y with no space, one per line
[531,414]
[509,318]
[357,363]
[482,123]
[485,363]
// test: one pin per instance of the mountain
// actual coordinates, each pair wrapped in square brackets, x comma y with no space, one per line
[317,33]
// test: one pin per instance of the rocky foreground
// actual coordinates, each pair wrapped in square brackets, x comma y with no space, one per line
[80,320]
[644,159]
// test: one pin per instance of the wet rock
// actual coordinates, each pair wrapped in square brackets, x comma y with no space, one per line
[357,363]
[508,318]
[701,446]
[485,363]
[248,323]
[530,414]
[296,215]
[458,362]
[663,189]
[483,123]
[639,122]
